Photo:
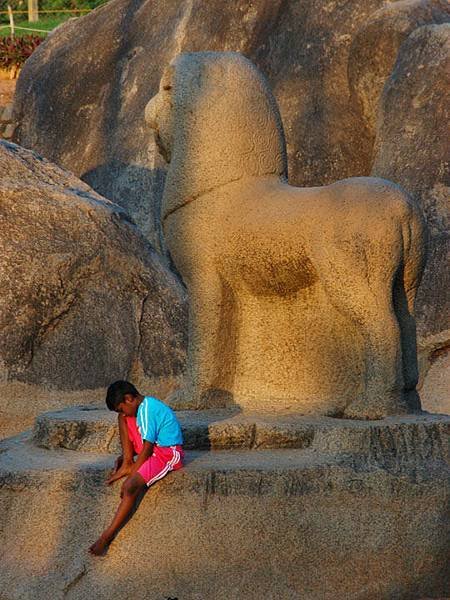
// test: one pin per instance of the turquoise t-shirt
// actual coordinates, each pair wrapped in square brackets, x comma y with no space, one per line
[157,423]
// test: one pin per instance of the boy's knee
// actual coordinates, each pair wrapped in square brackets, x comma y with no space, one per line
[132,486]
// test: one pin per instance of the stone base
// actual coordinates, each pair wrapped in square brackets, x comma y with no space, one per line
[354,510]
[94,429]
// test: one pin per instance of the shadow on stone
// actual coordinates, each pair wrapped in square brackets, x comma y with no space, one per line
[135,188]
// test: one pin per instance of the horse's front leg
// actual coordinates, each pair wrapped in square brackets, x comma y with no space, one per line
[207,382]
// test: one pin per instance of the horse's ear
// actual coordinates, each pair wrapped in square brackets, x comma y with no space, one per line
[154,104]
[167,77]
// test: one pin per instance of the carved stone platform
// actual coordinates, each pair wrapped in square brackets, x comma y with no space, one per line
[94,429]
[267,506]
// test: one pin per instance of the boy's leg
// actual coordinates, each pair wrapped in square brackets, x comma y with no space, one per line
[162,461]
[127,446]
[130,491]
[122,463]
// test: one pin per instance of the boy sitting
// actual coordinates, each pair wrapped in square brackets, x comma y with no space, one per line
[149,429]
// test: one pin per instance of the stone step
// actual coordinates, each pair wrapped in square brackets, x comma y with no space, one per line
[233,472]
[20,458]
[278,523]
[92,429]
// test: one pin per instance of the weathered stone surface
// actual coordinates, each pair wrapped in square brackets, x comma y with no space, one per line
[6,113]
[327,62]
[84,298]
[412,149]
[435,391]
[374,50]
[300,298]
[235,524]
[94,429]
[80,104]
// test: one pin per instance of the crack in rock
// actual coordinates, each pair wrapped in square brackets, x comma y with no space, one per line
[74,580]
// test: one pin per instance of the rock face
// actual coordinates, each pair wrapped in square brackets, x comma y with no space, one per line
[81,104]
[354,510]
[84,299]
[412,148]
[299,297]
[434,391]
[374,50]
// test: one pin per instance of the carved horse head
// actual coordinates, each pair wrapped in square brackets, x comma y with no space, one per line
[215,121]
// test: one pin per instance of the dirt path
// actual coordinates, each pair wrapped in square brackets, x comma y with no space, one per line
[7,87]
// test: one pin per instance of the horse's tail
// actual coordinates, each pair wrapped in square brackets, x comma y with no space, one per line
[405,290]
[415,242]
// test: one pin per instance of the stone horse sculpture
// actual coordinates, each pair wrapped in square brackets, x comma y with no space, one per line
[300,298]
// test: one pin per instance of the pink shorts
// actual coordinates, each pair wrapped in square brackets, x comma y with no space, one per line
[163,460]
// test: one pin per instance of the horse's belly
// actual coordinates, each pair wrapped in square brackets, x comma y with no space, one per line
[269,270]
[300,352]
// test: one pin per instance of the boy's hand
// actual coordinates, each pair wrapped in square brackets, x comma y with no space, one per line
[100,547]
[123,471]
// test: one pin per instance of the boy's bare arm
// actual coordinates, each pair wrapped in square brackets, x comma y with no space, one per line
[144,454]
[129,469]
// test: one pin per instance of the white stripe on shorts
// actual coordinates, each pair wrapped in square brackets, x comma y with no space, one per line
[169,466]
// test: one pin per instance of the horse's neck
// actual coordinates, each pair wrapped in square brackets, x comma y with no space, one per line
[190,177]
[240,186]
[185,183]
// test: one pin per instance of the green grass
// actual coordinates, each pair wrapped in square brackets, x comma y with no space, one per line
[46,23]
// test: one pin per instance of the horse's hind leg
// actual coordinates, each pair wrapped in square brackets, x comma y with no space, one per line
[383,393]
[404,293]
[407,326]
[368,306]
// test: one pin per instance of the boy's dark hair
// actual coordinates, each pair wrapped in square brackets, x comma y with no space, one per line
[116,392]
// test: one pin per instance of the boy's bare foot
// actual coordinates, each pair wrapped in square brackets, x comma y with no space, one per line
[100,546]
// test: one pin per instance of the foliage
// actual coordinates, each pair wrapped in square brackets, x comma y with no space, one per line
[15,51]
[69,4]
[47,20]
[47,23]
[52,4]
